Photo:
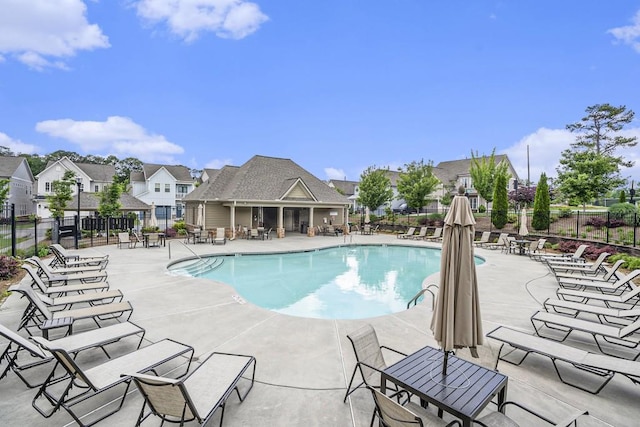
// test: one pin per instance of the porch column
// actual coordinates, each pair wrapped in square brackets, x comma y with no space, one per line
[280,229]
[232,217]
[311,231]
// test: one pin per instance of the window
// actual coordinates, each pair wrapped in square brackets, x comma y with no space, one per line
[96,189]
[47,186]
[167,188]
[157,187]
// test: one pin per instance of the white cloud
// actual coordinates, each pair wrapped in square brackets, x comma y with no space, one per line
[41,32]
[333,173]
[15,145]
[217,163]
[629,34]
[546,146]
[120,136]
[187,19]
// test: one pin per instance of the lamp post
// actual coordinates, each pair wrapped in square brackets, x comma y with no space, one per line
[78,183]
[632,193]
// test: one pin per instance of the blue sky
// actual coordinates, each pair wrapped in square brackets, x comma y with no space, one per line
[334,85]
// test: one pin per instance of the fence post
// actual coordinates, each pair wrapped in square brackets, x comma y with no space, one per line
[635,222]
[13,229]
[578,224]
[35,235]
[608,224]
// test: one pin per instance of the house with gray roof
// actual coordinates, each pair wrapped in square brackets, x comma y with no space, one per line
[92,178]
[21,180]
[164,187]
[266,192]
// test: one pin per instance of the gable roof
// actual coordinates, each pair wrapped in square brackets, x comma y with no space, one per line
[348,188]
[450,170]
[9,165]
[264,178]
[102,173]
[180,173]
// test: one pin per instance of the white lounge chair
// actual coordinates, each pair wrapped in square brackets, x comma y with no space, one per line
[484,238]
[408,235]
[220,236]
[571,257]
[436,236]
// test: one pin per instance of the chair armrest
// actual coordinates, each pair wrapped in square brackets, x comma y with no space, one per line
[394,350]
[567,421]
[151,378]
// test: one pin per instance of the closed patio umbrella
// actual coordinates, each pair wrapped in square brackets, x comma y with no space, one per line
[200,217]
[523,223]
[367,218]
[456,321]
[153,222]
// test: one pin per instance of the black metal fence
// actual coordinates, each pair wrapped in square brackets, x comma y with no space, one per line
[27,236]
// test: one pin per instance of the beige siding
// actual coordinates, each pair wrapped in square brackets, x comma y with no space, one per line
[216,215]
[298,192]
[243,216]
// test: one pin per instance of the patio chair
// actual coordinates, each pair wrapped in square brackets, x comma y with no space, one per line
[48,288]
[370,359]
[20,348]
[38,313]
[153,239]
[617,287]
[422,234]
[408,235]
[82,384]
[220,236]
[574,257]
[125,239]
[254,234]
[582,268]
[484,238]
[622,336]
[398,413]
[267,234]
[366,229]
[199,394]
[593,366]
[609,274]
[52,276]
[508,245]
[65,258]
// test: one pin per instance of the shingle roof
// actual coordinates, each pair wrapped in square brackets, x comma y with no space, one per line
[91,201]
[180,173]
[9,164]
[348,188]
[450,170]
[263,178]
[102,173]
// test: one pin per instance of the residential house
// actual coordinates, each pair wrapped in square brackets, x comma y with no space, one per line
[266,192]
[163,186]
[91,178]
[21,180]
[349,189]
[455,173]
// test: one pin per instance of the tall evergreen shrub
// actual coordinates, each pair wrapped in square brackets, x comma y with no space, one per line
[500,202]
[541,204]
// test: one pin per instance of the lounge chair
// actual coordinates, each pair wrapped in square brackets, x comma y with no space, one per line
[625,300]
[575,256]
[596,366]
[617,287]
[199,394]
[623,336]
[220,236]
[536,248]
[436,236]
[394,412]
[370,359]
[52,276]
[421,235]
[65,258]
[124,239]
[82,384]
[484,238]
[40,264]
[610,273]
[499,244]
[410,232]
[55,288]
[509,244]
[16,352]
[606,315]
[38,313]
[582,268]
[67,302]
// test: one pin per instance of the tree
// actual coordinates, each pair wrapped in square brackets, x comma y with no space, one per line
[622,198]
[4,190]
[109,205]
[62,194]
[541,204]
[375,188]
[416,182]
[585,175]
[124,168]
[523,196]
[71,155]
[36,163]
[598,131]
[500,202]
[484,171]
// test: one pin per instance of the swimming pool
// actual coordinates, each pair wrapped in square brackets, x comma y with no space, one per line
[347,282]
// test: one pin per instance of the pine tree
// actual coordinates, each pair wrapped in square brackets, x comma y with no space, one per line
[541,203]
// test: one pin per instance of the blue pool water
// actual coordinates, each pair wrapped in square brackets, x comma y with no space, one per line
[349,282]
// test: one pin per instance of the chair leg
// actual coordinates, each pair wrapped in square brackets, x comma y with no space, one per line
[350,383]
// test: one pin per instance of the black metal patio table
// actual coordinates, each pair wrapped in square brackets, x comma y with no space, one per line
[463,392]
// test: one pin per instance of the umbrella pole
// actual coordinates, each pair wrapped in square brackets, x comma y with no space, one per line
[444,364]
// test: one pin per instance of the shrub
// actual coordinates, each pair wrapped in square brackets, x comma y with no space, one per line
[500,202]
[512,218]
[565,213]
[541,202]
[482,209]
[614,223]
[621,210]
[9,267]
[596,221]
[179,225]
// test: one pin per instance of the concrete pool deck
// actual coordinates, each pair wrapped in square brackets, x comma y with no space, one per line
[304,365]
